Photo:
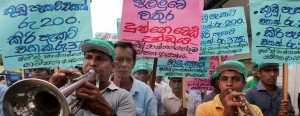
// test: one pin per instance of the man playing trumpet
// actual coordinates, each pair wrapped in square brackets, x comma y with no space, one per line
[231,77]
[103,98]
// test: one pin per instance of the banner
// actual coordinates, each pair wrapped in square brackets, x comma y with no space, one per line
[224,32]
[180,68]
[108,36]
[44,33]
[204,83]
[163,29]
[275,31]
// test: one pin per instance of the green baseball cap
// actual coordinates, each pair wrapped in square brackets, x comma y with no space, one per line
[264,65]
[215,74]
[100,44]
[140,67]
[232,65]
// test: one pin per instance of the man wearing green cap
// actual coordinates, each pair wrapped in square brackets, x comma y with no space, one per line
[255,78]
[267,95]
[103,98]
[231,80]
[40,73]
[144,99]
[141,72]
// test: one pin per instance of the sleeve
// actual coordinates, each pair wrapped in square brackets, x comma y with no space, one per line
[126,105]
[151,103]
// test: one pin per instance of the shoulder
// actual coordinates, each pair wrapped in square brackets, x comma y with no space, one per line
[142,86]
[204,108]
[251,89]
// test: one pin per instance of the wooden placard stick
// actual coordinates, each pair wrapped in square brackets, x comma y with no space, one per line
[285,82]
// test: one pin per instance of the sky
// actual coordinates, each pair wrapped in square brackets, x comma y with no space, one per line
[104,15]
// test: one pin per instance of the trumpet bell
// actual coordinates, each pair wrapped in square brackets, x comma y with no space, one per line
[34,97]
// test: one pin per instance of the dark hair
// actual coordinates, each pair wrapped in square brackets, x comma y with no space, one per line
[125,45]
[213,82]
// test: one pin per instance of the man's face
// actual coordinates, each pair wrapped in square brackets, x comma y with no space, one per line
[40,73]
[229,79]
[124,61]
[176,84]
[268,75]
[142,75]
[158,79]
[98,61]
[254,71]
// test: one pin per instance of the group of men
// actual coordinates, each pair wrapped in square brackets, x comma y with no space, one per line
[120,86]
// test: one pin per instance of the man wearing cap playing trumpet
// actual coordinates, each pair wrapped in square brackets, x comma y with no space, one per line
[231,77]
[267,95]
[107,99]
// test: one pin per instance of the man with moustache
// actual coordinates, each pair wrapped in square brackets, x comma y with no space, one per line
[100,98]
[231,76]
[144,99]
[267,95]
[172,102]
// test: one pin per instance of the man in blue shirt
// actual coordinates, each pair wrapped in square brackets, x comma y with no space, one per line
[3,89]
[266,94]
[125,58]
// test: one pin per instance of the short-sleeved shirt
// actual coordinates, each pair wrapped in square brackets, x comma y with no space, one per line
[120,99]
[143,97]
[3,90]
[216,108]
[171,104]
[269,105]
[250,84]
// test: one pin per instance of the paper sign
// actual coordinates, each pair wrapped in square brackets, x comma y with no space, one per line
[224,32]
[44,33]
[275,31]
[180,68]
[202,83]
[108,36]
[148,61]
[163,29]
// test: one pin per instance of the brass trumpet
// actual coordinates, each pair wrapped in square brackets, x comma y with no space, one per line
[241,110]
[36,97]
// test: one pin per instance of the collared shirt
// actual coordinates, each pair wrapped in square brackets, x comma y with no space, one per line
[143,97]
[216,108]
[118,98]
[171,104]
[269,105]
[250,84]
[3,90]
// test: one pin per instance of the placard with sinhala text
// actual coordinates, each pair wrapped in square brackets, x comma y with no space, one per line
[43,33]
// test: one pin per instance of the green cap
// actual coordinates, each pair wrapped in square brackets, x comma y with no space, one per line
[100,44]
[263,65]
[232,65]
[215,74]
[140,67]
